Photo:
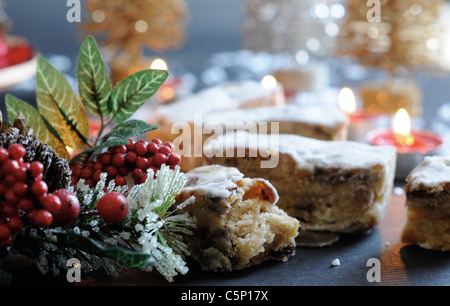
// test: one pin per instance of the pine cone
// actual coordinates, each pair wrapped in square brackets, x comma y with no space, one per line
[56,170]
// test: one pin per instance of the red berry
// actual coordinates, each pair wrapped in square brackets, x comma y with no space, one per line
[36,168]
[112,207]
[51,203]
[70,207]
[152,148]
[25,204]
[130,146]
[16,151]
[118,149]
[159,159]
[21,174]
[42,218]
[10,166]
[90,182]
[14,223]
[142,163]
[137,173]
[11,197]
[96,175]
[120,181]
[123,171]
[4,155]
[170,145]
[118,160]
[105,158]
[174,159]
[10,179]
[157,141]
[86,173]
[130,158]
[97,166]
[11,209]
[140,148]
[20,189]
[112,172]
[39,188]
[5,232]
[165,150]
[6,242]
[76,170]
[141,179]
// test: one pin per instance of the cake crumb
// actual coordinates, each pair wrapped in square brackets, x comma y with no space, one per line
[336,262]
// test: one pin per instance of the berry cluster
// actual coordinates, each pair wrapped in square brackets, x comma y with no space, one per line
[23,192]
[133,159]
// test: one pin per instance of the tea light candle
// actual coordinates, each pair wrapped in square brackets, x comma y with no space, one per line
[361,122]
[412,145]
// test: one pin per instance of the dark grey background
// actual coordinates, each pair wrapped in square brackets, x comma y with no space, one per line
[213,26]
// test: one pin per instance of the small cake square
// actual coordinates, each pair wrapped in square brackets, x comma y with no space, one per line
[319,121]
[428,204]
[329,186]
[238,222]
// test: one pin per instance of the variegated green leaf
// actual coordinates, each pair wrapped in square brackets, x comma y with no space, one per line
[130,129]
[59,104]
[40,126]
[94,83]
[132,92]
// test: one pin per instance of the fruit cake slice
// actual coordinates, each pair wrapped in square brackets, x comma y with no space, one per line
[238,221]
[319,121]
[428,204]
[334,186]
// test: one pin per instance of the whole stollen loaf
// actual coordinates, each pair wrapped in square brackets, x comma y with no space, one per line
[330,186]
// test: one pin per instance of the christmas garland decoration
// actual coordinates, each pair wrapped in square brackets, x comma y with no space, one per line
[51,211]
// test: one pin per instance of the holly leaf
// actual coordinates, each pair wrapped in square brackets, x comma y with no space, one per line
[41,127]
[129,129]
[126,257]
[132,92]
[94,84]
[59,104]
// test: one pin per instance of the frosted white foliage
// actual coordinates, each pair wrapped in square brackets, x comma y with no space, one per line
[149,205]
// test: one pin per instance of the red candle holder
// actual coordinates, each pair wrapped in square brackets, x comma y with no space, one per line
[411,149]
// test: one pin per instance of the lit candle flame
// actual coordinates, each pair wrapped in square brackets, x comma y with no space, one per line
[269,81]
[347,100]
[402,128]
[159,64]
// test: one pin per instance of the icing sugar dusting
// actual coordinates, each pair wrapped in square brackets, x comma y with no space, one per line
[433,172]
